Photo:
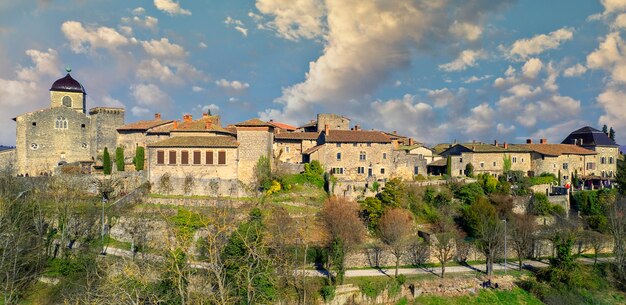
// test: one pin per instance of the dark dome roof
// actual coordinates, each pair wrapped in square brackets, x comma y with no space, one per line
[67,84]
[589,136]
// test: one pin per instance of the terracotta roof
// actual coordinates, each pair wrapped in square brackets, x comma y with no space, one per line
[283,126]
[555,149]
[309,124]
[253,123]
[144,125]
[358,136]
[297,136]
[197,141]
[163,129]
[200,124]
[312,149]
[440,162]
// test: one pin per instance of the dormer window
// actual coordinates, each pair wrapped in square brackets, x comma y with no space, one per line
[67,101]
[60,123]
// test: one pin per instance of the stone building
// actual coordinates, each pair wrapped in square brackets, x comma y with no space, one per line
[142,133]
[334,121]
[64,133]
[605,167]
[289,147]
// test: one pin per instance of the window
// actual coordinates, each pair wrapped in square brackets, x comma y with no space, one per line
[611,174]
[209,157]
[522,160]
[565,166]
[482,164]
[461,160]
[369,144]
[603,174]
[362,156]
[354,144]
[514,159]
[338,156]
[196,157]
[82,125]
[610,160]
[287,149]
[420,156]
[591,165]
[382,171]
[494,163]
[172,157]
[184,157]
[416,170]
[553,165]
[34,146]
[338,144]
[160,157]
[385,156]
[360,170]
[60,123]
[603,160]
[34,123]
[67,101]
[565,178]
[221,157]
[337,171]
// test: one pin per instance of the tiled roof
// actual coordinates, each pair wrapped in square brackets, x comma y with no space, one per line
[589,137]
[358,136]
[200,124]
[253,123]
[197,141]
[440,162]
[283,126]
[414,146]
[297,136]
[555,149]
[309,124]
[143,125]
[312,149]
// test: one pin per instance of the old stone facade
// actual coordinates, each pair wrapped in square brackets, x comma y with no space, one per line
[64,133]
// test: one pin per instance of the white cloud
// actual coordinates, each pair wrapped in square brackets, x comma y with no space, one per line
[538,44]
[242,30]
[293,19]
[153,69]
[466,30]
[612,101]
[149,95]
[139,11]
[467,58]
[170,7]
[398,83]
[163,49]
[146,22]
[232,85]
[473,78]
[610,57]
[575,70]
[46,64]
[197,89]
[84,39]
[612,6]
[108,101]
[532,67]
[202,45]
[211,107]
[503,129]
[230,21]
[139,111]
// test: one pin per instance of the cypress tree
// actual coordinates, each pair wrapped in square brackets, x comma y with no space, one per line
[106,162]
[139,158]
[119,158]
[612,134]
[605,129]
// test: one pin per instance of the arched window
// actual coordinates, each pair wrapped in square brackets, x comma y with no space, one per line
[67,101]
[60,123]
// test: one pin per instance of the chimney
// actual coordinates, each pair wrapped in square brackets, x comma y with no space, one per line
[271,120]
[395,132]
[187,118]
[157,116]
[411,142]
[543,141]
[357,127]
[327,129]
[208,124]
[495,143]
[205,115]
[175,124]
[529,141]
[506,145]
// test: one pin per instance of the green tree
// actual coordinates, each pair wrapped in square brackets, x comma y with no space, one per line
[119,158]
[106,162]
[506,164]
[612,134]
[371,211]
[393,193]
[140,155]
[605,129]
[483,224]
[469,170]
[620,177]
[263,173]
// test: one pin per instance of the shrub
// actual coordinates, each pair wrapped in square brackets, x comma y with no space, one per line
[468,193]
[119,159]
[140,156]
[106,162]
[328,293]
[544,178]
[469,170]
[275,188]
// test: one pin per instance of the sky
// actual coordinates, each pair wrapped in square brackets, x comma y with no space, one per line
[437,71]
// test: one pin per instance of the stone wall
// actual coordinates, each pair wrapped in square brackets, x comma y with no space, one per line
[7,159]
[78,100]
[608,154]
[104,124]
[334,121]
[554,165]
[254,142]
[290,150]
[406,166]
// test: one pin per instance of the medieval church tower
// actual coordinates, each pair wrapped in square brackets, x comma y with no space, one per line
[64,133]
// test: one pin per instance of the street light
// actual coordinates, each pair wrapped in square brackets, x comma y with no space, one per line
[105,198]
[504,245]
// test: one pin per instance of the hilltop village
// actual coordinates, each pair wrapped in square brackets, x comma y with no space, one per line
[209,152]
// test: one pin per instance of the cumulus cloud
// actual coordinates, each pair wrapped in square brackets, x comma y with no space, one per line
[83,39]
[232,85]
[237,25]
[108,101]
[532,67]
[163,49]
[407,109]
[145,22]
[575,70]
[359,56]
[466,30]
[523,48]
[153,69]
[46,64]
[212,108]
[197,89]
[149,95]
[170,7]
[467,58]
[202,45]
[474,78]
[612,101]
[292,19]
[139,111]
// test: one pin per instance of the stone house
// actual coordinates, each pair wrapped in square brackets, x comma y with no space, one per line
[64,133]
[605,167]
[142,133]
[334,121]
[289,146]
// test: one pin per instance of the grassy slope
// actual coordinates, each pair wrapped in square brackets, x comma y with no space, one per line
[485,296]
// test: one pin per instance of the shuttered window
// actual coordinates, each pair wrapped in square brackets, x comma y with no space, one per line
[172,157]
[196,157]
[184,157]
[221,157]
[160,157]
[209,157]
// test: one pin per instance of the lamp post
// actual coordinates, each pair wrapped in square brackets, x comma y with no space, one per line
[104,200]
[504,245]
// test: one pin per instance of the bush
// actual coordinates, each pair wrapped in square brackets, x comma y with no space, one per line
[119,159]
[275,188]
[328,293]
[140,156]
[541,206]
[469,193]
[106,162]
[544,178]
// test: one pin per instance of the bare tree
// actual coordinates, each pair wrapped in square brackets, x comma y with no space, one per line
[523,231]
[395,228]
[617,227]
[442,244]
[345,230]
[419,251]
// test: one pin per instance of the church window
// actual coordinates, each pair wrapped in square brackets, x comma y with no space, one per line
[67,101]
[34,146]
[160,157]
[172,157]
[221,157]
[60,123]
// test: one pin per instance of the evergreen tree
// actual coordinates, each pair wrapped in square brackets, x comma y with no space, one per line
[605,129]
[612,134]
[620,177]
[119,159]
[139,158]
[106,162]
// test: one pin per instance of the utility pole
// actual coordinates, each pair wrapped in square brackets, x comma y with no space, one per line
[504,245]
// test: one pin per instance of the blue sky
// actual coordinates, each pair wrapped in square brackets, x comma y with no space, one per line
[434,70]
